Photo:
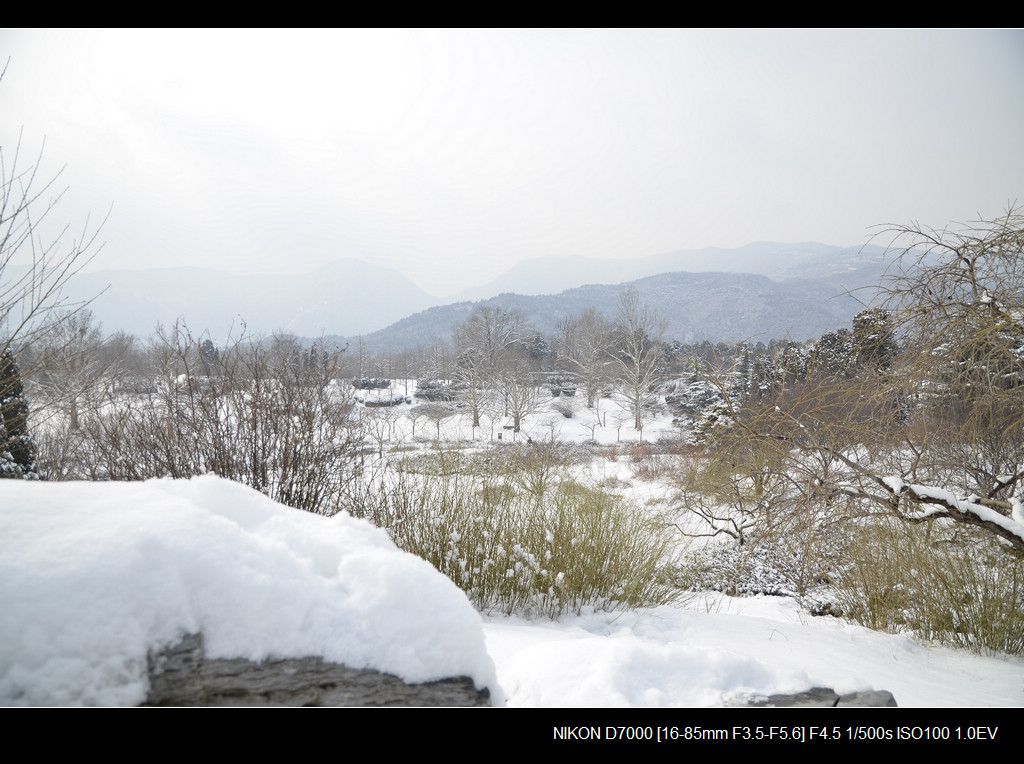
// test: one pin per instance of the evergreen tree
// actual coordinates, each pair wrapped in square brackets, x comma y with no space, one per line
[876,338]
[209,356]
[17,451]
[835,354]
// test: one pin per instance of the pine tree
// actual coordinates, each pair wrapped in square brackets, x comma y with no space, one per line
[875,338]
[17,451]
[209,356]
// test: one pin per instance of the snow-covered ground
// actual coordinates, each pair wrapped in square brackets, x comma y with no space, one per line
[720,650]
[609,422]
[93,574]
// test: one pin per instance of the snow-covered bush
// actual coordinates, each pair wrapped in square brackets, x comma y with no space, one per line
[565,407]
[434,390]
[744,570]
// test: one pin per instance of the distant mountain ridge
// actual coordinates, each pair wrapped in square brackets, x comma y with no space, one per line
[787,289]
[714,306]
[346,296]
[550,275]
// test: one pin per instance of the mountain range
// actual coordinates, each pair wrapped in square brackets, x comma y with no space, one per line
[771,291]
[779,262]
[698,306]
[347,296]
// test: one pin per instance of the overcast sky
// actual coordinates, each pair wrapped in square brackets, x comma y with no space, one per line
[452,155]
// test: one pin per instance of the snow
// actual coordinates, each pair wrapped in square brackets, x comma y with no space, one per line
[1017,511]
[92,575]
[894,484]
[948,499]
[942,500]
[724,650]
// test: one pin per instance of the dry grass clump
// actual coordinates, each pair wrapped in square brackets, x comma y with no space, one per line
[957,590]
[529,540]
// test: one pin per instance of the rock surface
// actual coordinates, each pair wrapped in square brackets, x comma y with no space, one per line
[183,676]
[823,697]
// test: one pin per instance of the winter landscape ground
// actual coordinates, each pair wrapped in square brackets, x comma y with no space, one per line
[95,574]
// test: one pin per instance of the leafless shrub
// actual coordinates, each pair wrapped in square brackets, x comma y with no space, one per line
[266,414]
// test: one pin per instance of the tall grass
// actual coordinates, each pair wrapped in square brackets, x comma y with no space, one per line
[959,591]
[526,539]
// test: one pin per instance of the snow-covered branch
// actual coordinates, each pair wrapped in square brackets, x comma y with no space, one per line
[935,502]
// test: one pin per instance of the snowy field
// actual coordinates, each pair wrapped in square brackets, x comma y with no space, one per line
[609,422]
[92,575]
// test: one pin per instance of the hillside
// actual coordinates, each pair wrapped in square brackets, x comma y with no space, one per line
[698,306]
[808,260]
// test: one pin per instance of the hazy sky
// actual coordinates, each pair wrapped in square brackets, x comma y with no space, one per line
[453,155]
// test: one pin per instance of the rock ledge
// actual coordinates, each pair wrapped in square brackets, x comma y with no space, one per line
[823,697]
[183,676]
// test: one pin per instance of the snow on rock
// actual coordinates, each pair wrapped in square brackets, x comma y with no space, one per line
[94,575]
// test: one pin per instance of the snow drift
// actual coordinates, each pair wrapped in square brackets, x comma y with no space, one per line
[94,575]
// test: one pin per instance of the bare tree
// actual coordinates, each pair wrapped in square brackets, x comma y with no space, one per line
[518,390]
[379,424]
[472,378]
[75,365]
[491,331]
[415,413]
[437,413]
[35,261]
[638,353]
[935,432]
[484,342]
[585,350]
